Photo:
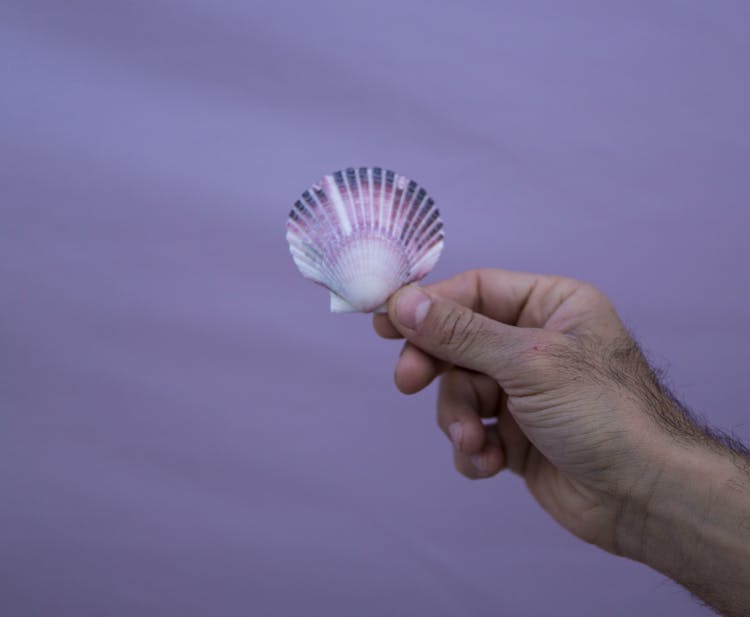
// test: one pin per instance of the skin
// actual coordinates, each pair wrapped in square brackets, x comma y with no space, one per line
[539,376]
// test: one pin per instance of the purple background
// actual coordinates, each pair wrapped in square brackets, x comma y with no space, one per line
[186,430]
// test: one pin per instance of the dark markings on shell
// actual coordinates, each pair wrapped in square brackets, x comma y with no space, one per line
[397,195]
[389,178]
[410,214]
[412,186]
[377,184]
[351,179]
[321,195]
[307,196]
[427,224]
[360,220]
[303,210]
[325,205]
[418,227]
[322,216]
[431,240]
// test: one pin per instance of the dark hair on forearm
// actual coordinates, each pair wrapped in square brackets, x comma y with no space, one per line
[624,363]
[629,366]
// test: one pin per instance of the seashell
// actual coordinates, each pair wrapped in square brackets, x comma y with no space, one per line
[364,233]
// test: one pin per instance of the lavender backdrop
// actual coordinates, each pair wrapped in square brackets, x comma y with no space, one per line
[185,430]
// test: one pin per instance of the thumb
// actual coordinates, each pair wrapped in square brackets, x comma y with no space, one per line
[456,334]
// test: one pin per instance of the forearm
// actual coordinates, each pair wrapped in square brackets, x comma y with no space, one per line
[693,524]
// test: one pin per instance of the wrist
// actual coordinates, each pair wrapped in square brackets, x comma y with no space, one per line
[691,520]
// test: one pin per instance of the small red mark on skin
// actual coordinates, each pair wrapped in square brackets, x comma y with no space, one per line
[536,348]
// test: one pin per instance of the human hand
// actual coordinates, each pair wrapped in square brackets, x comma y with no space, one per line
[572,404]
[547,357]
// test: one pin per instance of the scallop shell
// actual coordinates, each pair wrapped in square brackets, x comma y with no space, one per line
[364,233]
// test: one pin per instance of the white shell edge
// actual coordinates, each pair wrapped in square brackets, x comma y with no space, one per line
[339,305]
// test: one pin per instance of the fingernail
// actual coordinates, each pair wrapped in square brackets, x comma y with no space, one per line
[455,430]
[479,462]
[412,305]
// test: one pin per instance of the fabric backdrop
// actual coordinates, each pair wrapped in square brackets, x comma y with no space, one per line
[185,429]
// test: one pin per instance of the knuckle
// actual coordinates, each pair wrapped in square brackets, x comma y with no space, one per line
[458,330]
[595,297]
[448,327]
[592,290]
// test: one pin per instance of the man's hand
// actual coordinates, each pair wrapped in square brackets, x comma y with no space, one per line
[541,377]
